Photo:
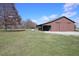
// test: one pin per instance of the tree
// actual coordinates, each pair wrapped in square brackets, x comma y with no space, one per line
[29,24]
[9,15]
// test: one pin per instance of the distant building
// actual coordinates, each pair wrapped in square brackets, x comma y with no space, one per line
[61,24]
[9,17]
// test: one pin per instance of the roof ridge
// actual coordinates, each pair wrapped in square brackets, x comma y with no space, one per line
[58,19]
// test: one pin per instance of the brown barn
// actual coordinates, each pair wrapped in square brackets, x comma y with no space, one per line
[61,24]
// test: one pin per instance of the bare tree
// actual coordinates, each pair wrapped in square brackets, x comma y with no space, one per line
[29,24]
[9,15]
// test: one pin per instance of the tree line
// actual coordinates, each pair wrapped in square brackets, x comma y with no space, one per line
[28,24]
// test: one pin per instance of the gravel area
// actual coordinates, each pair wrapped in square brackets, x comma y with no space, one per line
[64,33]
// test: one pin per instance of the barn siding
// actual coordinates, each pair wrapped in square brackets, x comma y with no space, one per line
[62,25]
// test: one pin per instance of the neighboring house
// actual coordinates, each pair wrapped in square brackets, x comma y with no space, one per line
[61,24]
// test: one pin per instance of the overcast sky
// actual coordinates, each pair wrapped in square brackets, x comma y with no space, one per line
[44,12]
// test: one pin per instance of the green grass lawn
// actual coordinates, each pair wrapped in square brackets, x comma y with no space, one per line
[28,43]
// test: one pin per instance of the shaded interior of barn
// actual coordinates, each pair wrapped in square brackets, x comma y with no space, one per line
[44,27]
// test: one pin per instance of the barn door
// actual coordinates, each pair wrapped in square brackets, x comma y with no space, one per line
[65,26]
[57,26]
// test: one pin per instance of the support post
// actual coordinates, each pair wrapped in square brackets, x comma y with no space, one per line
[42,27]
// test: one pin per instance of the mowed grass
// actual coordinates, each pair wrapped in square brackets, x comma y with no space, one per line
[29,43]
